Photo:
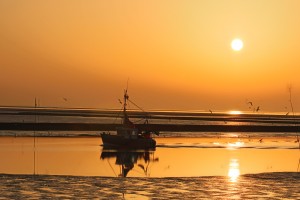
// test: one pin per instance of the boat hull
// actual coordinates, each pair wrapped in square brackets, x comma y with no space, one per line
[122,142]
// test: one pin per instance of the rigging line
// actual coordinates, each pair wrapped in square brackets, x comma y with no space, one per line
[149,166]
[119,113]
[112,168]
[138,121]
[138,107]
[147,173]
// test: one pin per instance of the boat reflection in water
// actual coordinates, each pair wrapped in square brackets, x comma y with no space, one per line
[130,159]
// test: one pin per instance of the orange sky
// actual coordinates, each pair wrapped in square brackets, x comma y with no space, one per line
[176,54]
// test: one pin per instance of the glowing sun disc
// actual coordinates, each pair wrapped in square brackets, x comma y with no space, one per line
[237,44]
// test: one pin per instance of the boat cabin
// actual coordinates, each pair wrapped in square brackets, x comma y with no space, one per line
[127,132]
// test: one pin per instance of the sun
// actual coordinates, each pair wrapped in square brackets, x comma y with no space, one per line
[237,44]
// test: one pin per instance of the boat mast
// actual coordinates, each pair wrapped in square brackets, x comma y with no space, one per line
[126,119]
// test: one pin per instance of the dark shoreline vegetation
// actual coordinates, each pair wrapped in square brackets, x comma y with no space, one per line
[148,127]
[172,121]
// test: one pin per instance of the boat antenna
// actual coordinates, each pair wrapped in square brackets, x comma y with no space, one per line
[127,84]
[126,97]
[126,118]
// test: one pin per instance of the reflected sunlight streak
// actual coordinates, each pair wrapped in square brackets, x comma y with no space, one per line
[234,170]
[235,112]
[235,145]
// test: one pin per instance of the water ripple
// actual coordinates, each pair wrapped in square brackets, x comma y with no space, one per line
[282,185]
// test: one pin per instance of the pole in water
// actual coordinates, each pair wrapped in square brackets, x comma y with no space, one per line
[35,104]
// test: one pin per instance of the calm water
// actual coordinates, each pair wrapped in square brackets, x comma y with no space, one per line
[216,168]
[184,165]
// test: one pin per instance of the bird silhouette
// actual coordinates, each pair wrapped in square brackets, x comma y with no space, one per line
[250,102]
[257,109]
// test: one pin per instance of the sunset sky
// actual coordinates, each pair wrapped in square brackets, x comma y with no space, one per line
[176,54]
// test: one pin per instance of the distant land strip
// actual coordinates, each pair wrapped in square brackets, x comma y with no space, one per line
[146,127]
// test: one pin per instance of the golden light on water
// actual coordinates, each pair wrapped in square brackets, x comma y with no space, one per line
[80,157]
[234,170]
[235,145]
[235,112]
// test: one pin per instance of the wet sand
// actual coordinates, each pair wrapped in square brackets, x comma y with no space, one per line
[254,186]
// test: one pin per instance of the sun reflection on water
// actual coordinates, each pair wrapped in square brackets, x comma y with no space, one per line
[235,112]
[235,145]
[234,170]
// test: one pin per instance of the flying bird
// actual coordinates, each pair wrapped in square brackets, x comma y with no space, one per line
[257,109]
[65,99]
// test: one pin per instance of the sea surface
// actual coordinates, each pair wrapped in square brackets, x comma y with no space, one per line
[179,168]
[184,165]
[283,185]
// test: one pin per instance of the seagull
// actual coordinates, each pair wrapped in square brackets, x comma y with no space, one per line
[211,111]
[260,140]
[250,102]
[65,99]
[257,109]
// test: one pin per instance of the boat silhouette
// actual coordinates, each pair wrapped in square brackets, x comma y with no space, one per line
[127,134]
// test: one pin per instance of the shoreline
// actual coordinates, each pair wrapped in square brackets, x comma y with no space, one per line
[148,127]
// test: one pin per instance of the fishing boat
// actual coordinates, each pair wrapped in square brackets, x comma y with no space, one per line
[127,134]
